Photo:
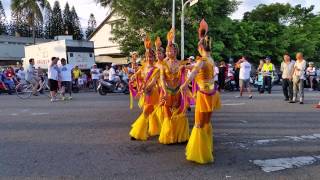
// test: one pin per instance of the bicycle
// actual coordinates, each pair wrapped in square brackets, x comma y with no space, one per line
[25,90]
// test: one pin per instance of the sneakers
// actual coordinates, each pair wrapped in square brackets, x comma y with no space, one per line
[301,100]
[53,100]
[69,98]
[250,97]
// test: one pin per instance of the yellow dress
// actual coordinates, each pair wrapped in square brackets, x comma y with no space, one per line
[159,111]
[175,128]
[200,146]
[147,125]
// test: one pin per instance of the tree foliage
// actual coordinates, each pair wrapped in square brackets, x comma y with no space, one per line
[56,20]
[268,30]
[77,32]
[3,24]
[92,25]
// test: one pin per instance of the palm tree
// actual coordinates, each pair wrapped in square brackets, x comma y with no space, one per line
[104,3]
[32,10]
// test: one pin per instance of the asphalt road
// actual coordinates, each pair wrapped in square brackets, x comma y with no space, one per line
[87,138]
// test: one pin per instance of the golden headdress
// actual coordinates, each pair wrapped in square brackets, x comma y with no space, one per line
[158,45]
[203,29]
[170,38]
[204,39]
[148,45]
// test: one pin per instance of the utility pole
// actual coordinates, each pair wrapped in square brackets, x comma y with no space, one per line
[173,15]
[184,5]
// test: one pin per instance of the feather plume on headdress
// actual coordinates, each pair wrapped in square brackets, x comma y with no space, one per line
[147,42]
[203,29]
[170,36]
[158,43]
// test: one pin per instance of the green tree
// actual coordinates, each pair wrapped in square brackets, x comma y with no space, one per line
[48,34]
[19,25]
[32,10]
[92,25]
[67,20]
[154,17]
[3,24]
[77,32]
[56,20]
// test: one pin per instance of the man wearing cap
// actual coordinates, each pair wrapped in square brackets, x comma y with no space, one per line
[95,75]
[267,71]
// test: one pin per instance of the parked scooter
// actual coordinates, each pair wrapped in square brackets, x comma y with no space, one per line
[106,86]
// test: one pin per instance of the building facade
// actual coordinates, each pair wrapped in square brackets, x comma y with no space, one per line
[106,50]
[12,48]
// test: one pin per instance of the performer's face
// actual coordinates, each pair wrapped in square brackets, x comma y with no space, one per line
[160,55]
[150,58]
[134,57]
[171,52]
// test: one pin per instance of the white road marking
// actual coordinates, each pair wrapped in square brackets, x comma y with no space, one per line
[39,114]
[25,110]
[234,104]
[244,122]
[271,165]
[289,138]
[13,114]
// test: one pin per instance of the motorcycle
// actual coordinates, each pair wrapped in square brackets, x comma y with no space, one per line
[106,86]
[230,83]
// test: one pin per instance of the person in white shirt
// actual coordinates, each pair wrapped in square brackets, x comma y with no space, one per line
[31,76]
[95,75]
[311,74]
[298,78]
[216,73]
[21,75]
[113,77]
[244,76]
[53,77]
[66,78]
[287,69]
[105,73]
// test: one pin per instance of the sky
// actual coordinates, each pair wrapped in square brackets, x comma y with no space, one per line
[85,7]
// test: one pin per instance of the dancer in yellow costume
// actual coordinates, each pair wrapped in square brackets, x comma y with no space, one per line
[146,125]
[160,56]
[175,128]
[200,146]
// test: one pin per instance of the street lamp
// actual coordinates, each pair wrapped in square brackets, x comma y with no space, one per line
[184,4]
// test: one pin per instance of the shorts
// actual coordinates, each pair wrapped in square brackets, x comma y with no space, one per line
[244,83]
[66,84]
[53,84]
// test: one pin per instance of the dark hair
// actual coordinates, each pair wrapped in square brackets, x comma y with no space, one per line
[206,43]
[53,58]
[30,60]
[63,59]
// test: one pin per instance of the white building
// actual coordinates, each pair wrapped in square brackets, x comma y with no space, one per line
[107,51]
[12,48]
